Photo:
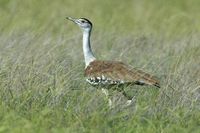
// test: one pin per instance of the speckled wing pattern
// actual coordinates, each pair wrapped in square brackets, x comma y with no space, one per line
[117,73]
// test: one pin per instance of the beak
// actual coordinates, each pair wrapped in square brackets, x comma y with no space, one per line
[72,19]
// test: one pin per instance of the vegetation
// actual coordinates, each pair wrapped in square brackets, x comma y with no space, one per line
[42,87]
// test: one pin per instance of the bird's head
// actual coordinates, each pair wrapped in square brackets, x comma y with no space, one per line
[83,23]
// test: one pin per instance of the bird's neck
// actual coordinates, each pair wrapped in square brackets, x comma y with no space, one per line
[87,51]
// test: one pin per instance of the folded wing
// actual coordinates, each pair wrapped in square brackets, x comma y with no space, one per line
[114,72]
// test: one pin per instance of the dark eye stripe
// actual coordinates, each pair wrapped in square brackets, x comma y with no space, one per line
[86,20]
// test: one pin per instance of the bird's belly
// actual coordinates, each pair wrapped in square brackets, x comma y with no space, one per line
[103,81]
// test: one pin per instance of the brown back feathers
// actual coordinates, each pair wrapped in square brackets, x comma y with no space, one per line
[114,72]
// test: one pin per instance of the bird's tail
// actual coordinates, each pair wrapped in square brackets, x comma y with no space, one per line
[147,79]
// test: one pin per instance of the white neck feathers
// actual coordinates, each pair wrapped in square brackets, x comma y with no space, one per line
[87,51]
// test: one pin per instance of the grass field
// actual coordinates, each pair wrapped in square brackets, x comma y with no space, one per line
[42,87]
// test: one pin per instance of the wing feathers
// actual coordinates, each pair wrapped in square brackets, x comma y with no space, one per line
[119,71]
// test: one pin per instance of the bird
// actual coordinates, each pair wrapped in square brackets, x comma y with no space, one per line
[106,73]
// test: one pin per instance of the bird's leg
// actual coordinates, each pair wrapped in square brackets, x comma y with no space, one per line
[130,100]
[105,91]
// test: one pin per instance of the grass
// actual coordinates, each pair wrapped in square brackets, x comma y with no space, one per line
[42,87]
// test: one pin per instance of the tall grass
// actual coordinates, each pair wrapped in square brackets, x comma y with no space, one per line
[42,87]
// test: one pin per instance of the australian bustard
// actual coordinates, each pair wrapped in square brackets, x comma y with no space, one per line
[108,73]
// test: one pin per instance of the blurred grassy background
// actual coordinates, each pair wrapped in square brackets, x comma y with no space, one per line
[155,16]
[42,88]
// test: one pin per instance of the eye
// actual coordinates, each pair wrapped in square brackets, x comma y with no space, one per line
[82,21]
